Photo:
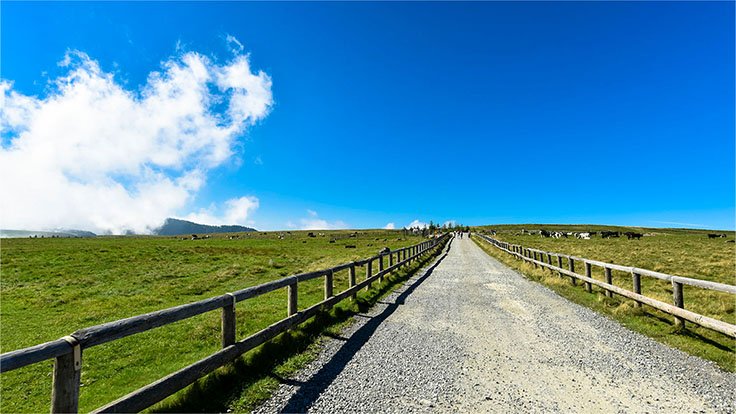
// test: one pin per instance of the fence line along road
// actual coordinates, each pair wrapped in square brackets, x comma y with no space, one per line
[536,257]
[67,351]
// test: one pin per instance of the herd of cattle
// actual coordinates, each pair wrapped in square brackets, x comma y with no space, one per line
[583,235]
[586,235]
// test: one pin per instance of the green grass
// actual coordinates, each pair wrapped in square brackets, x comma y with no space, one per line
[678,252]
[52,287]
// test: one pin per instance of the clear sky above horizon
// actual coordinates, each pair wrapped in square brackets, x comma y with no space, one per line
[283,115]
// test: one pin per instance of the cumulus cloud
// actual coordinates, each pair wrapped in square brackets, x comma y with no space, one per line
[390,226]
[417,223]
[235,211]
[94,155]
[314,222]
[449,223]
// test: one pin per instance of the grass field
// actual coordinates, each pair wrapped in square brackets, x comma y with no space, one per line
[688,253]
[52,287]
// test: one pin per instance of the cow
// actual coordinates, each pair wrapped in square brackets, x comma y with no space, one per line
[609,234]
[544,233]
[310,234]
[631,235]
[384,251]
[583,236]
[716,236]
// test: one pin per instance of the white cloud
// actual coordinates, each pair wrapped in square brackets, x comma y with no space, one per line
[449,223]
[417,223]
[94,155]
[314,222]
[236,211]
[390,226]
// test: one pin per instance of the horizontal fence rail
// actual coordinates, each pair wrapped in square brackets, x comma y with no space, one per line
[67,351]
[677,309]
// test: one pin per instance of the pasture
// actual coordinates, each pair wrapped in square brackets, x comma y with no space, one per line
[688,253]
[52,287]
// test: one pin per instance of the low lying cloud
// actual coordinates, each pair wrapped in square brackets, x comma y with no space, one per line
[94,155]
[389,226]
[235,211]
[417,223]
[314,222]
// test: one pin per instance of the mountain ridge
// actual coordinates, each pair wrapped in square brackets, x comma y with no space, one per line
[175,227]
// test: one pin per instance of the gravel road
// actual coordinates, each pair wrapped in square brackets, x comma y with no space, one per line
[468,334]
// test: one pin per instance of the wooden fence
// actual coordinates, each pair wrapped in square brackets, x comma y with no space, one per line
[67,351]
[677,309]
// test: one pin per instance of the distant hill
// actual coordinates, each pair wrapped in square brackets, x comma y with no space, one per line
[173,227]
[15,234]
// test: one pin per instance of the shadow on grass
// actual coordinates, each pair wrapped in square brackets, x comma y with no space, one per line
[215,392]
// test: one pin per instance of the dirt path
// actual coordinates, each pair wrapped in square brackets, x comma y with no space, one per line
[472,335]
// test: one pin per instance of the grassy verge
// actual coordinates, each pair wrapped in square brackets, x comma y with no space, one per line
[694,340]
[52,287]
[249,381]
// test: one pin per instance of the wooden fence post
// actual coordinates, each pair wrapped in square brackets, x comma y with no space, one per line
[227,322]
[368,273]
[559,263]
[380,269]
[328,285]
[66,379]
[571,263]
[535,258]
[291,304]
[679,301]
[391,259]
[588,273]
[351,280]
[609,280]
[636,279]
[549,260]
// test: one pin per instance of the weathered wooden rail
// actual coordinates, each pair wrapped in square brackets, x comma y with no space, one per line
[68,350]
[677,309]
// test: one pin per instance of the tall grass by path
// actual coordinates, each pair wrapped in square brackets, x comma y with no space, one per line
[680,253]
[52,287]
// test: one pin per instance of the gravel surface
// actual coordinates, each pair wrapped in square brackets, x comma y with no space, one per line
[468,334]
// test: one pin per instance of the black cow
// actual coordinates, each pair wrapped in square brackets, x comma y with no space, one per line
[716,236]
[631,235]
[544,233]
[609,234]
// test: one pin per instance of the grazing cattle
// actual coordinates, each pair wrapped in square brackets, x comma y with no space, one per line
[194,237]
[631,235]
[609,234]
[544,233]
[716,236]
[310,234]
[384,251]
[350,246]
[556,234]
[582,236]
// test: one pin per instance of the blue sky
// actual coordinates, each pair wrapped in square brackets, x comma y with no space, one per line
[529,112]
